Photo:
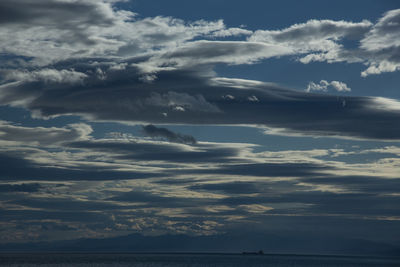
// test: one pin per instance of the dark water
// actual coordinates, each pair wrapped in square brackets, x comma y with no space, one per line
[181,260]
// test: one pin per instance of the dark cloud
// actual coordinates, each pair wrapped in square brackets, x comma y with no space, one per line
[269,169]
[361,184]
[175,84]
[156,201]
[78,58]
[298,200]
[187,98]
[28,188]
[153,131]
[14,167]
[173,153]
[66,204]
[80,216]
[230,188]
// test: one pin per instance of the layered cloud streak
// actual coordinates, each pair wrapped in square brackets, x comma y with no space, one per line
[114,66]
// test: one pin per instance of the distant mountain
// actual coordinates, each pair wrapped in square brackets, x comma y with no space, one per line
[215,243]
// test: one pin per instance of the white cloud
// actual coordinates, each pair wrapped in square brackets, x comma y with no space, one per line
[385,103]
[380,67]
[321,40]
[315,40]
[324,85]
[385,33]
[46,75]
[253,98]
[382,45]
[14,134]
[81,29]
[340,86]
[309,35]
[231,32]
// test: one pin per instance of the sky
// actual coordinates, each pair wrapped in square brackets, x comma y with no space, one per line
[274,124]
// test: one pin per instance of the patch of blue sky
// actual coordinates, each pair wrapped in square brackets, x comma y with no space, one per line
[257,14]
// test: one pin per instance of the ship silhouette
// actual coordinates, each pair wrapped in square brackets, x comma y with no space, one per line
[260,252]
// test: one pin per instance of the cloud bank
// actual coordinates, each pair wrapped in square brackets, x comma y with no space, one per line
[110,65]
[155,187]
[92,60]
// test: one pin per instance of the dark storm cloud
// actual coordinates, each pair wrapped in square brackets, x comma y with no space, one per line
[172,80]
[189,97]
[153,131]
[28,188]
[160,151]
[15,167]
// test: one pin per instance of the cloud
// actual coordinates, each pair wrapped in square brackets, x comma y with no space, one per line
[29,188]
[43,136]
[269,169]
[181,102]
[44,12]
[195,97]
[313,30]
[212,52]
[324,85]
[321,40]
[384,34]
[38,34]
[160,70]
[232,32]
[382,46]
[194,189]
[153,131]
[51,30]
[316,40]
[145,150]
[16,167]
[46,75]
[230,187]
[103,64]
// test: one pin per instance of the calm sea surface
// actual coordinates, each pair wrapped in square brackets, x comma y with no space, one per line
[180,260]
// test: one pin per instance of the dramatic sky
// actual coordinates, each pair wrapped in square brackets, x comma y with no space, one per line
[199,118]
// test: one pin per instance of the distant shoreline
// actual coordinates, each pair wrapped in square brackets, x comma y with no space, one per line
[195,253]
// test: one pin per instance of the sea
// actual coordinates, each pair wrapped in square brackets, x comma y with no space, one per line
[185,260]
